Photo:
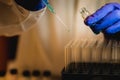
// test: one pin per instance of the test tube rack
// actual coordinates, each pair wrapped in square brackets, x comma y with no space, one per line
[92,71]
[92,60]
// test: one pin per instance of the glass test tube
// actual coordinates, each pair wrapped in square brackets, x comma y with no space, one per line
[107,52]
[68,55]
[84,12]
[115,52]
[115,57]
[73,55]
[77,56]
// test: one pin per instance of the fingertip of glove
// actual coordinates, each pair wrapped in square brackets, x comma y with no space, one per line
[88,21]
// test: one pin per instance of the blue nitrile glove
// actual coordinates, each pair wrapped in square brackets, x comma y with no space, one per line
[32,5]
[106,19]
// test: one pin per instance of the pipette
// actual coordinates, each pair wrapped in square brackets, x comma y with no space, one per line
[51,9]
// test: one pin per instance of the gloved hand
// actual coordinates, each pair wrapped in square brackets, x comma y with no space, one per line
[32,5]
[106,20]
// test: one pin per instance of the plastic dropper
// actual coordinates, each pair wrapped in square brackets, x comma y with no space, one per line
[52,10]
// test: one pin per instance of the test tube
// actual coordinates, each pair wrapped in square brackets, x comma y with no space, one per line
[117,65]
[99,52]
[115,52]
[86,54]
[106,57]
[77,56]
[84,12]
[94,51]
[115,56]
[107,51]
[79,61]
[118,48]
[68,55]
[74,56]
[95,57]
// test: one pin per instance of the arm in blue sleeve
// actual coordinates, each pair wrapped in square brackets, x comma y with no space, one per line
[32,5]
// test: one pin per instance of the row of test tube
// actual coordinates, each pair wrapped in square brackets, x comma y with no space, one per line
[92,51]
